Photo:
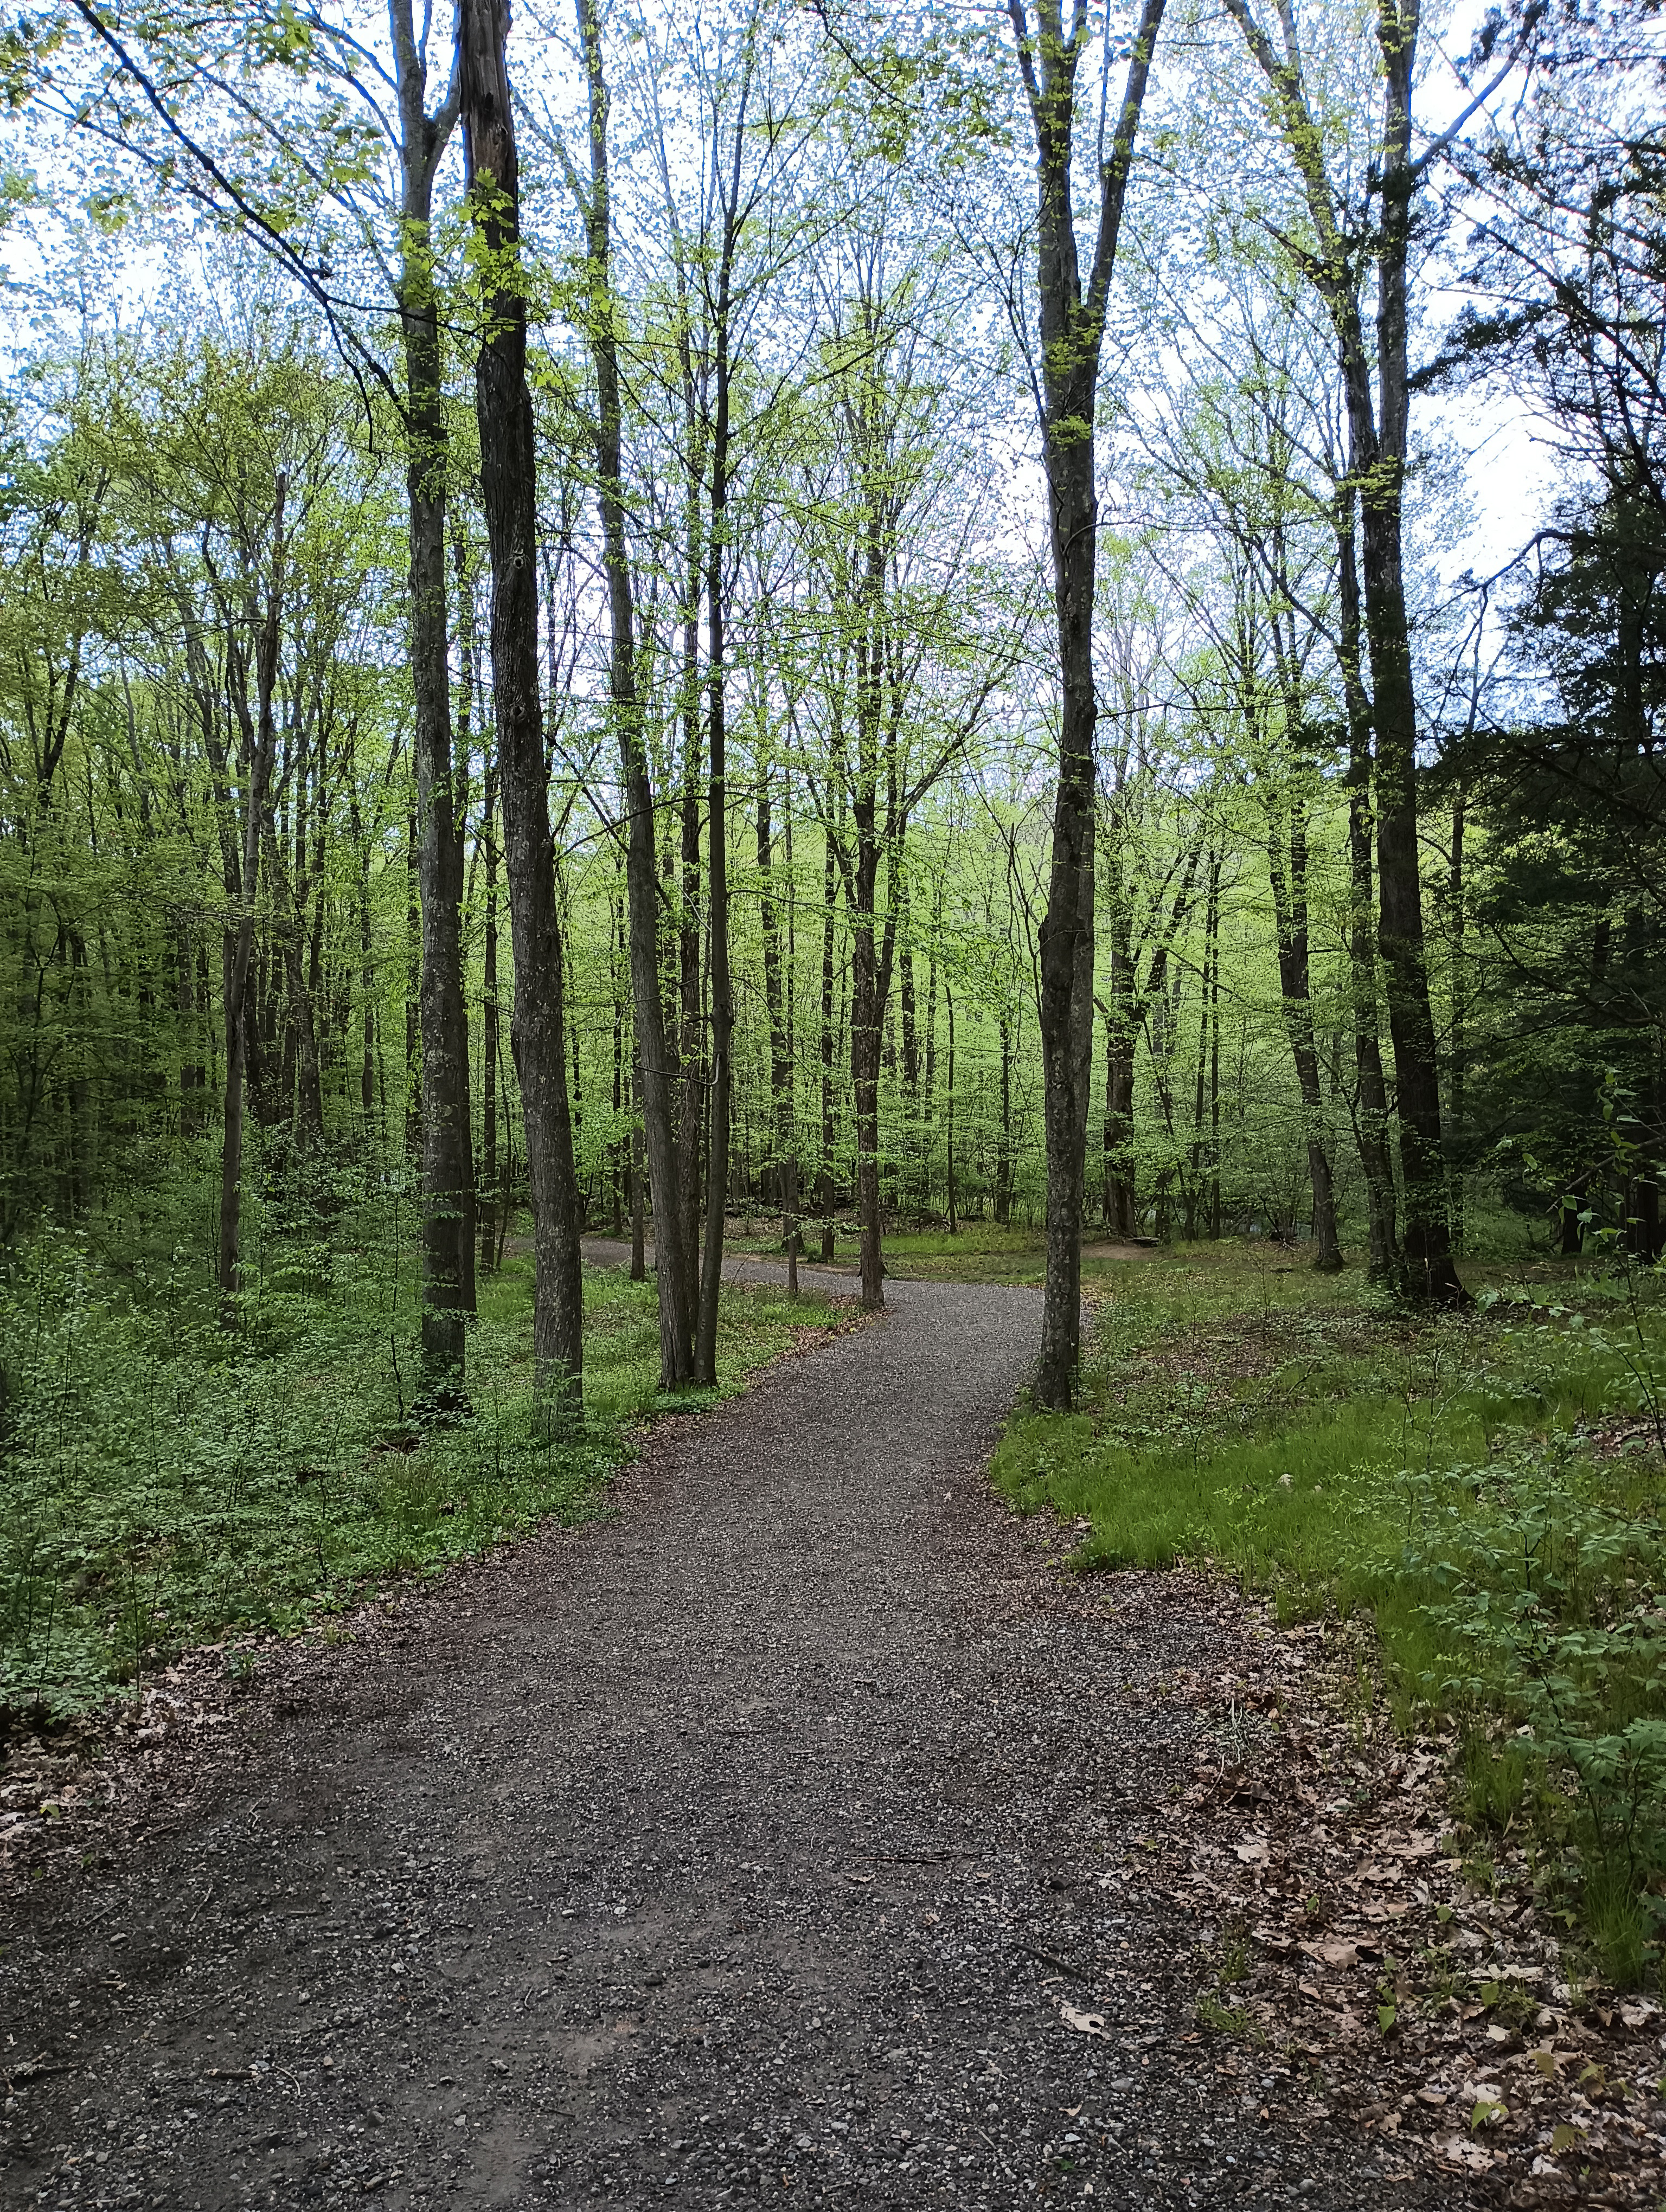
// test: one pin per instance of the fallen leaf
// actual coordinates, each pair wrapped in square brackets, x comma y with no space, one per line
[1332,1951]
[1253,1850]
[1474,2156]
[1085,2023]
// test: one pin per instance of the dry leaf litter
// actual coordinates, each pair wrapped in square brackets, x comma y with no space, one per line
[1314,1849]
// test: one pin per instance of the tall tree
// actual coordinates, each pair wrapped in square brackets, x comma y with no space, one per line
[508,481]
[1072,327]
[654,1055]
[448,1141]
[1345,242]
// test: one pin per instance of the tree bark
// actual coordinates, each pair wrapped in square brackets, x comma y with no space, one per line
[448,1170]
[722,1030]
[1372,1111]
[653,1053]
[1122,1032]
[690,1012]
[1460,999]
[954,1223]
[491,1192]
[508,464]
[638,1193]
[782,1151]
[1073,321]
[1287,871]
[260,743]
[824,1182]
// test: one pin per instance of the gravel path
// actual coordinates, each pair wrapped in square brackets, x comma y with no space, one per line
[746,1845]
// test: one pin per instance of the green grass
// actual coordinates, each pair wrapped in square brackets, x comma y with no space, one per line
[165,1484]
[1440,1476]
[980,1252]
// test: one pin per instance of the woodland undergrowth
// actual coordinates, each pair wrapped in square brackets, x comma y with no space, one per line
[1485,1489]
[165,1481]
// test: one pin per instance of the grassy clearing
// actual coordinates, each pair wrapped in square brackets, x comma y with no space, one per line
[1487,1487]
[981,1252]
[165,1484]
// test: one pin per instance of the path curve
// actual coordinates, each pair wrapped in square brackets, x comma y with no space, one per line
[744,1846]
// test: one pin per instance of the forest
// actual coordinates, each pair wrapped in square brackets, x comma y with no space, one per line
[1018,641]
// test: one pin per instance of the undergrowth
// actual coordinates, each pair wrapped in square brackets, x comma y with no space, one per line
[163,1481]
[1487,1488]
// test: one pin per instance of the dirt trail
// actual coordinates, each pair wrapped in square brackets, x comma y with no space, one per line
[748,1844]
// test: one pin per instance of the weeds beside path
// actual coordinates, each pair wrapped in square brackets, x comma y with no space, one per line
[166,1484]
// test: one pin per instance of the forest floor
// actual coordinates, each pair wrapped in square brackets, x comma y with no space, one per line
[800,1830]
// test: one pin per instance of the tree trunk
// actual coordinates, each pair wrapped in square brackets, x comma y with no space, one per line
[1377,419]
[413,968]
[1214,1086]
[1383,1261]
[872,948]
[1073,322]
[691,1012]
[781,1145]
[948,1000]
[717,834]
[825,1191]
[302,1010]
[261,740]
[367,977]
[1122,1031]
[653,1050]
[909,1180]
[234,978]
[1460,996]
[508,464]
[1003,1190]
[1379,464]
[618,1149]
[441,1113]
[638,1193]
[1287,871]
[490,1019]
[1197,1183]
